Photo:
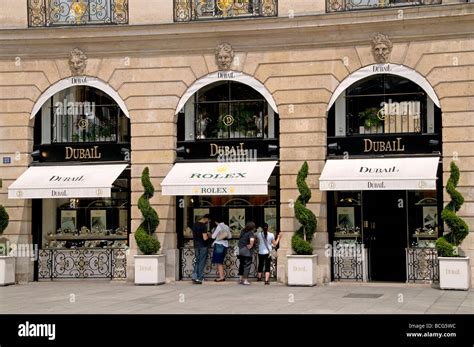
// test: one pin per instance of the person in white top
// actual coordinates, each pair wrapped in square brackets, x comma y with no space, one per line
[221,235]
[266,240]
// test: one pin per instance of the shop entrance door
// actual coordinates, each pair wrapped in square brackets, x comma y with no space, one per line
[385,227]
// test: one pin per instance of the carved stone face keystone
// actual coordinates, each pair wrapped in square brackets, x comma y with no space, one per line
[224,56]
[77,62]
[381,48]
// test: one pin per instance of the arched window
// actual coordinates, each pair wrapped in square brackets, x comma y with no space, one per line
[227,110]
[383,104]
[81,114]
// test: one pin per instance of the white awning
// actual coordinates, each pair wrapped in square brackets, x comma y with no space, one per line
[380,174]
[58,182]
[217,178]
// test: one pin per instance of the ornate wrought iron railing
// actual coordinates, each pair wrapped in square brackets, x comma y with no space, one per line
[349,261]
[351,5]
[422,264]
[192,10]
[231,264]
[76,12]
[82,263]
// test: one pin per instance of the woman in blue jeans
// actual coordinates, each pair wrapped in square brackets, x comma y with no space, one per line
[220,234]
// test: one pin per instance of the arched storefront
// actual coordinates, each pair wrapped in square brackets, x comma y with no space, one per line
[79,181]
[226,162]
[383,176]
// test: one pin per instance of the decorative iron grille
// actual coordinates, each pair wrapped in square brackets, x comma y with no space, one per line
[82,263]
[422,264]
[76,12]
[349,261]
[231,263]
[350,5]
[191,10]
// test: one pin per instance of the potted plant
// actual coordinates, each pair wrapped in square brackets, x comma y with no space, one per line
[372,124]
[7,263]
[454,269]
[302,265]
[149,266]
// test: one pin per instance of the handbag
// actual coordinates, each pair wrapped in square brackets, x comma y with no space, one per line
[244,252]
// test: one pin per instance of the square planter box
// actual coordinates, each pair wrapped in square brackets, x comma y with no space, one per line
[454,273]
[7,270]
[302,270]
[150,269]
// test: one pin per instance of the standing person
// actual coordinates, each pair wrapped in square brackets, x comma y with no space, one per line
[246,242]
[221,234]
[266,240]
[200,237]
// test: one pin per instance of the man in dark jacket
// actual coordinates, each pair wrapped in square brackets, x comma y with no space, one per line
[200,237]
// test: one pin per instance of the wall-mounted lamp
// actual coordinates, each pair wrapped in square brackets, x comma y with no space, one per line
[38,155]
[333,147]
[273,151]
[180,151]
[272,148]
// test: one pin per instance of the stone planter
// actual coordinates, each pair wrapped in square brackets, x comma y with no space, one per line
[7,270]
[150,269]
[302,270]
[454,273]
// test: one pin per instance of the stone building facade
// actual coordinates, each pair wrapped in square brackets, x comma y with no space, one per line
[300,56]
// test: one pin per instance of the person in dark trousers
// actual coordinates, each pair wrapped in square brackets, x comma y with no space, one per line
[221,234]
[200,237]
[266,241]
[246,242]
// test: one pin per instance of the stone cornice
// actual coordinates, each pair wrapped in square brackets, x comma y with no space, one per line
[324,30]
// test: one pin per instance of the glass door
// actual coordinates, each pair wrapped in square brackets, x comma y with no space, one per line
[385,234]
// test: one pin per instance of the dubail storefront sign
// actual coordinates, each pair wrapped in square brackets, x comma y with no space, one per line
[380,174]
[71,181]
[232,153]
[90,153]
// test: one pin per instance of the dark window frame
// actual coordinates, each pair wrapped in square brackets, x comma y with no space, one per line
[349,6]
[186,11]
[41,14]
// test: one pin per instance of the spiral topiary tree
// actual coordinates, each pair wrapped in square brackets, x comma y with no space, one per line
[145,234]
[301,240]
[4,218]
[447,244]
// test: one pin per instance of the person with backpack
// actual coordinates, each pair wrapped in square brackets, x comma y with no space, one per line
[266,240]
[246,243]
[221,234]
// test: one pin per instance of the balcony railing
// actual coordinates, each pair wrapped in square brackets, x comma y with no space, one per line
[47,13]
[352,5]
[193,10]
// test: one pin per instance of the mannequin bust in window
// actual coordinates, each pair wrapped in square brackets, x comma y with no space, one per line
[201,124]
